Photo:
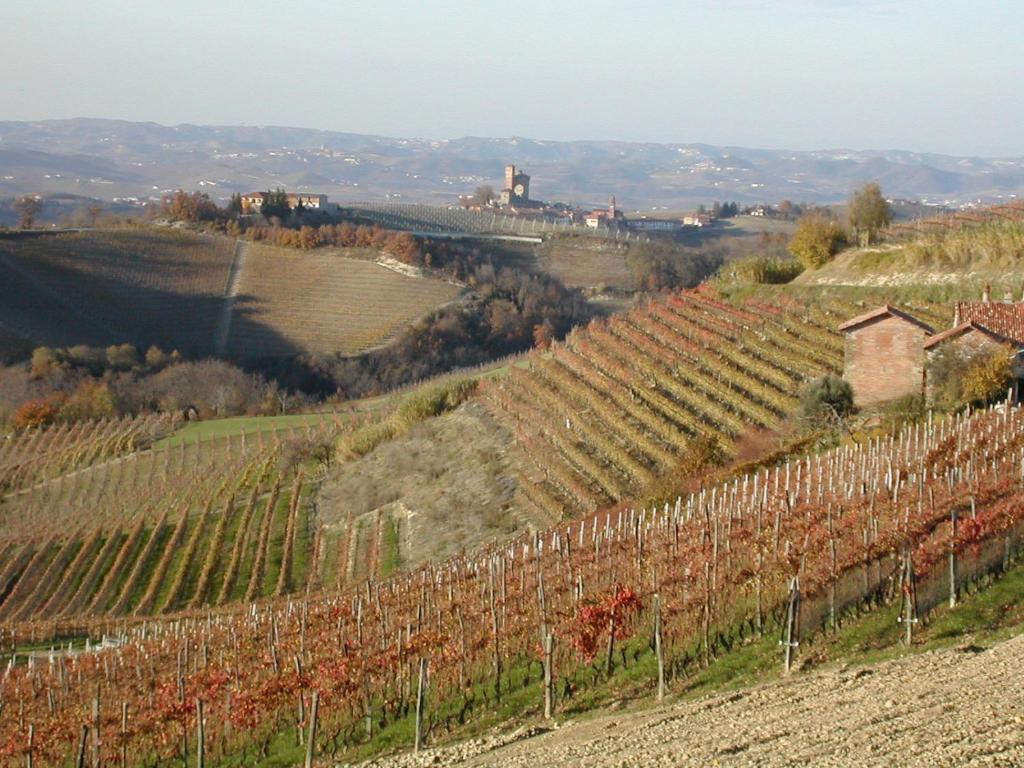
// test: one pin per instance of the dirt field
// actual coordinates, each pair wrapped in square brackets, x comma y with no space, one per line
[961,707]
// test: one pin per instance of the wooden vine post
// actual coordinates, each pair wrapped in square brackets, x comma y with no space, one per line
[952,558]
[200,736]
[96,732]
[658,648]
[314,711]
[909,617]
[420,703]
[124,734]
[549,677]
[80,758]
[792,614]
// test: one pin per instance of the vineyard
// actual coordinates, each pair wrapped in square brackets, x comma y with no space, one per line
[436,218]
[168,288]
[957,220]
[618,404]
[290,302]
[196,524]
[137,286]
[790,547]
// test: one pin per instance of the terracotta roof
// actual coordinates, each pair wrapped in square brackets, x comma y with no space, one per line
[959,330]
[882,311]
[1001,317]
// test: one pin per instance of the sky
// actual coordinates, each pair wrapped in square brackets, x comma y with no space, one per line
[923,75]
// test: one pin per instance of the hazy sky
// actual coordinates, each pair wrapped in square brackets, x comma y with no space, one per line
[927,75]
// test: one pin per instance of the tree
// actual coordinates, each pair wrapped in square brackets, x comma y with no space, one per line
[275,205]
[182,206]
[234,209]
[27,207]
[483,195]
[869,213]
[816,240]
[93,211]
[122,357]
[826,399]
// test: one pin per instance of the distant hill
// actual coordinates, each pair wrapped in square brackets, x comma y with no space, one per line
[111,159]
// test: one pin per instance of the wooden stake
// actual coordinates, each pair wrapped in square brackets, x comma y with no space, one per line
[80,759]
[549,677]
[658,650]
[311,739]
[200,736]
[96,732]
[420,703]
[791,618]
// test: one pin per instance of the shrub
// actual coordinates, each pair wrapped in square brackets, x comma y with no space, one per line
[816,240]
[38,412]
[988,378]
[959,377]
[763,270]
[827,398]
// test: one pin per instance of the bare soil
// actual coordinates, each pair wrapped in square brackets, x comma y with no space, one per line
[962,707]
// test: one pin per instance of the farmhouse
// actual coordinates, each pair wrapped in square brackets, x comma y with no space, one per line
[884,355]
[887,351]
[252,201]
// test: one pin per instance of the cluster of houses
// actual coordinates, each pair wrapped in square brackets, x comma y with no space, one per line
[887,351]
[515,199]
[311,201]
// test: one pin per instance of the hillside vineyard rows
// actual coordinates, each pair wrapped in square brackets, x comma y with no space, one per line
[171,289]
[619,402]
[199,524]
[881,515]
[293,301]
[434,218]
[139,287]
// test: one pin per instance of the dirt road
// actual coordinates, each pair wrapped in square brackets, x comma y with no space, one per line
[948,708]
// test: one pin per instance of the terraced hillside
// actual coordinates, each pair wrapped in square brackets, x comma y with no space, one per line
[201,295]
[604,414]
[290,301]
[87,529]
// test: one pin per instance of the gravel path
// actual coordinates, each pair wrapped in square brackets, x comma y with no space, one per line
[953,707]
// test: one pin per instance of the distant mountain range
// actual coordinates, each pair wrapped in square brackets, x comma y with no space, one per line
[111,159]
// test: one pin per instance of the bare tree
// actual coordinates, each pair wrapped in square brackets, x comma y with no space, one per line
[483,195]
[28,208]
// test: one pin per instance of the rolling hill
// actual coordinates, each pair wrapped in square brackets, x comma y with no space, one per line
[202,294]
[110,158]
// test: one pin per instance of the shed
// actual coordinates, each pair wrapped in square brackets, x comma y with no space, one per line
[884,355]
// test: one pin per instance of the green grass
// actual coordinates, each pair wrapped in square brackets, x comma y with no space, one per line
[391,548]
[213,429]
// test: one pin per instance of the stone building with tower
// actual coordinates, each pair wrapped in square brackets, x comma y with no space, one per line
[516,191]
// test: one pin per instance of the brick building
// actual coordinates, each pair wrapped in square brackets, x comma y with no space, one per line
[887,351]
[884,355]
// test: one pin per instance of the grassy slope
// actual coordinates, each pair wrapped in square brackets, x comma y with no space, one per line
[945,265]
